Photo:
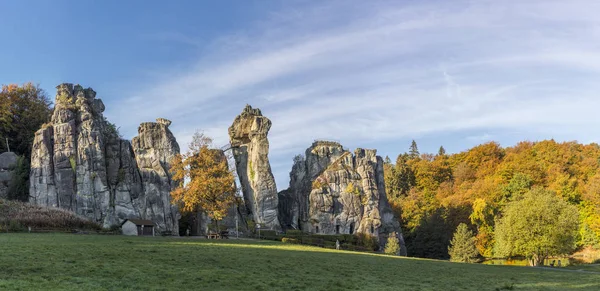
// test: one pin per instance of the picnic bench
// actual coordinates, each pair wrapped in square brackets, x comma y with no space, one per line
[218,235]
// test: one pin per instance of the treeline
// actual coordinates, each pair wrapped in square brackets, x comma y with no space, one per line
[434,193]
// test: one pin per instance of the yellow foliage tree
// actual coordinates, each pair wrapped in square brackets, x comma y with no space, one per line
[205,181]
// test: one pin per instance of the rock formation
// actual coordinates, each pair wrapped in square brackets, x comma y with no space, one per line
[250,146]
[80,163]
[334,191]
[8,161]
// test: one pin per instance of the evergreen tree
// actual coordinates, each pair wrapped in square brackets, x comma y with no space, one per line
[414,150]
[404,175]
[387,160]
[462,246]
[441,151]
[392,246]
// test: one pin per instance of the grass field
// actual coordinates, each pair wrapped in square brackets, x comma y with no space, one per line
[96,262]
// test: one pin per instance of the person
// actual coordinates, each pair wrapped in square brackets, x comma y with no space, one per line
[559,263]
[337,244]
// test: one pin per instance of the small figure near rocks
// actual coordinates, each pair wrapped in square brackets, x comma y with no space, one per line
[559,263]
[337,244]
[552,264]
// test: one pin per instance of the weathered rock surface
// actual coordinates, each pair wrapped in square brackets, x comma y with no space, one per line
[334,191]
[250,146]
[8,161]
[80,163]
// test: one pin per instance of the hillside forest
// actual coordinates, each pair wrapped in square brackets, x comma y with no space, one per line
[434,193]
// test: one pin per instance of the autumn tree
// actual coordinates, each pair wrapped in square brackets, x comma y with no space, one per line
[205,181]
[537,226]
[462,246]
[23,110]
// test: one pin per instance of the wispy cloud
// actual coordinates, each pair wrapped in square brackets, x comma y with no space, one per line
[380,72]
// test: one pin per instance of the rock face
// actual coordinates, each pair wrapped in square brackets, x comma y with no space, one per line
[8,161]
[334,191]
[250,146]
[80,163]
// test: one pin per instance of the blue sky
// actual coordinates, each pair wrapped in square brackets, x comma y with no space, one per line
[372,74]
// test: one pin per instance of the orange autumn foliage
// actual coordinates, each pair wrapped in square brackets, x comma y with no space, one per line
[205,181]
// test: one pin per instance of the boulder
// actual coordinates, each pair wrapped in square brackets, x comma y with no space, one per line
[8,161]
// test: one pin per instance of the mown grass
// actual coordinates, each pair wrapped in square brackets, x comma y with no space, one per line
[96,262]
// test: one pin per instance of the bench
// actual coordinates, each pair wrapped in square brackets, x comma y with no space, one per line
[213,235]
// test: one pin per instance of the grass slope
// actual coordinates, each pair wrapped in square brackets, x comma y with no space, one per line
[95,262]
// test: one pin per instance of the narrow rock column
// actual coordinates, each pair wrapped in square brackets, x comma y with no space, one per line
[250,146]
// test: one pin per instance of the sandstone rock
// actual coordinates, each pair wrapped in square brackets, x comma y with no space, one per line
[250,146]
[80,163]
[8,161]
[334,191]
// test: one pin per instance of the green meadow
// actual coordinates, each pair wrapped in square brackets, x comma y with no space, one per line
[107,262]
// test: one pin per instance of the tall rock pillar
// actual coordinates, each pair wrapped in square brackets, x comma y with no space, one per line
[250,146]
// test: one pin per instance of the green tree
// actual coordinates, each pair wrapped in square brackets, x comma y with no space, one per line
[442,151]
[23,110]
[518,185]
[462,246]
[392,246]
[414,150]
[537,226]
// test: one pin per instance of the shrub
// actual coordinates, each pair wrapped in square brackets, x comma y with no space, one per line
[392,246]
[290,240]
[294,232]
[367,241]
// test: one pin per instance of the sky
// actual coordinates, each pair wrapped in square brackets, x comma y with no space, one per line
[369,74]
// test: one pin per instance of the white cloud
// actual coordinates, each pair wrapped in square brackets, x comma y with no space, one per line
[379,73]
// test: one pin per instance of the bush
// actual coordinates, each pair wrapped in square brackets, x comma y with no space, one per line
[290,240]
[392,246]
[269,235]
[367,241]
[294,232]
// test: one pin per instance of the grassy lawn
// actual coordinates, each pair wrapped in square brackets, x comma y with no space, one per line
[94,262]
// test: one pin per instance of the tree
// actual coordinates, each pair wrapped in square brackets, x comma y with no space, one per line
[537,226]
[462,246]
[442,151]
[23,110]
[414,150]
[205,181]
[392,246]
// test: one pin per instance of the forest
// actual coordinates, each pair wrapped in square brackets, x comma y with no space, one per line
[434,193]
